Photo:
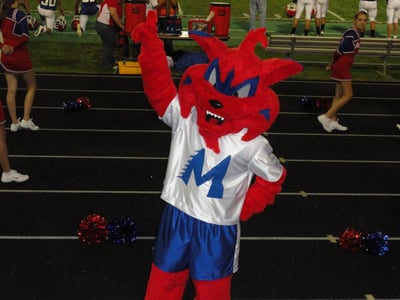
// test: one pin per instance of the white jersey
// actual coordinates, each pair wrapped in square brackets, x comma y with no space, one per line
[208,186]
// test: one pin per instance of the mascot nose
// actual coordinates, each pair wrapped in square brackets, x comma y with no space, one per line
[215,103]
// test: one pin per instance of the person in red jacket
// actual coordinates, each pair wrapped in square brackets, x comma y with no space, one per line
[16,61]
[108,26]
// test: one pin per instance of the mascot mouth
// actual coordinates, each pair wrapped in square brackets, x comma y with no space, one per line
[211,116]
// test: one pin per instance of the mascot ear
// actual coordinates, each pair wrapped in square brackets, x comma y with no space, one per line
[252,38]
[274,69]
[212,46]
[277,69]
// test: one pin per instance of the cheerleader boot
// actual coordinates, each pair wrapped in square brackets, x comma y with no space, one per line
[219,289]
[166,285]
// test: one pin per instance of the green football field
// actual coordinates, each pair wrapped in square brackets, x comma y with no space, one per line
[65,52]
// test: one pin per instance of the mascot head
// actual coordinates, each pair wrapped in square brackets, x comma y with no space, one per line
[233,92]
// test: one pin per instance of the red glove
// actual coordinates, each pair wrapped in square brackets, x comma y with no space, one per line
[260,194]
[157,81]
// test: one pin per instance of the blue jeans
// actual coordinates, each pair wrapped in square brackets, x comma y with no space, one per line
[109,37]
[259,6]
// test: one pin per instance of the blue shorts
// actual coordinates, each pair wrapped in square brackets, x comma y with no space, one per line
[183,242]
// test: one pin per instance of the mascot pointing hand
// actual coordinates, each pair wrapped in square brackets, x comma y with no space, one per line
[221,170]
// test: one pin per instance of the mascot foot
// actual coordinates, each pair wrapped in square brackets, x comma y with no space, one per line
[219,289]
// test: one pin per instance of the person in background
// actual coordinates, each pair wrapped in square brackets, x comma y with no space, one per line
[15,61]
[393,15]
[321,7]
[8,175]
[25,5]
[87,8]
[108,26]
[259,6]
[9,18]
[340,68]
[166,9]
[150,5]
[47,11]
[371,8]
[302,5]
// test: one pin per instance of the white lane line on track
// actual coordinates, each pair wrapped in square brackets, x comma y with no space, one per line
[98,108]
[126,192]
[152,110]
[89,157]
[342,114]
[265,134]
[334,135]
[166,158]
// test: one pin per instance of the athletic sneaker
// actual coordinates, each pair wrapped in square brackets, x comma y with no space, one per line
[39,30]
[15,127]
[13,176]
[325,121]
[322,33]
[29,125]
[79,30]
[398,126]
[330,124]
[335,125]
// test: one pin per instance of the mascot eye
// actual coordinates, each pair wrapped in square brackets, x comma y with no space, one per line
[243,92]
[246,88]
[212,79]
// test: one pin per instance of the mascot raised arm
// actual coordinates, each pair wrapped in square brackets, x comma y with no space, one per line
[221,170]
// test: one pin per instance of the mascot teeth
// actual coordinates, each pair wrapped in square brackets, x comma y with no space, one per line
[210,115]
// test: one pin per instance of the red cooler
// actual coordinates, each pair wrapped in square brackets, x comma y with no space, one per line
[135,13]
[222,18]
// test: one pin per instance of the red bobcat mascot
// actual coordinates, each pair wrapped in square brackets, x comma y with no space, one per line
[221,170]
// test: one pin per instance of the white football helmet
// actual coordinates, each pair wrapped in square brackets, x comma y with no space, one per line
[32,23]
[61,23]
[75,22]
[291,9]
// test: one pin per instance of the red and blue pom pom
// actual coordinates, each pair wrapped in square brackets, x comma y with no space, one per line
[351,240]
[122,230]
[375,243]
[319,104]
[76,104]
[95,229]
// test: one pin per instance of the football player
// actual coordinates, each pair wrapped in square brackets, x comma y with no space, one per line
[87,8]
[47,11]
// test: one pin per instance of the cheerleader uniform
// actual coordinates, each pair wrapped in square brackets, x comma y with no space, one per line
[16,34]
[343,57]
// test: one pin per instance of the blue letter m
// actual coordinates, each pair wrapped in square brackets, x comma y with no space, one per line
[216,174]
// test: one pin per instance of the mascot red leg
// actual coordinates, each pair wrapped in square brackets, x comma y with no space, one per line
[166,285]
[219,289]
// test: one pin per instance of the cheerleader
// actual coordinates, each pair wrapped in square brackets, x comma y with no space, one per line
[16,61]
[340,69]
